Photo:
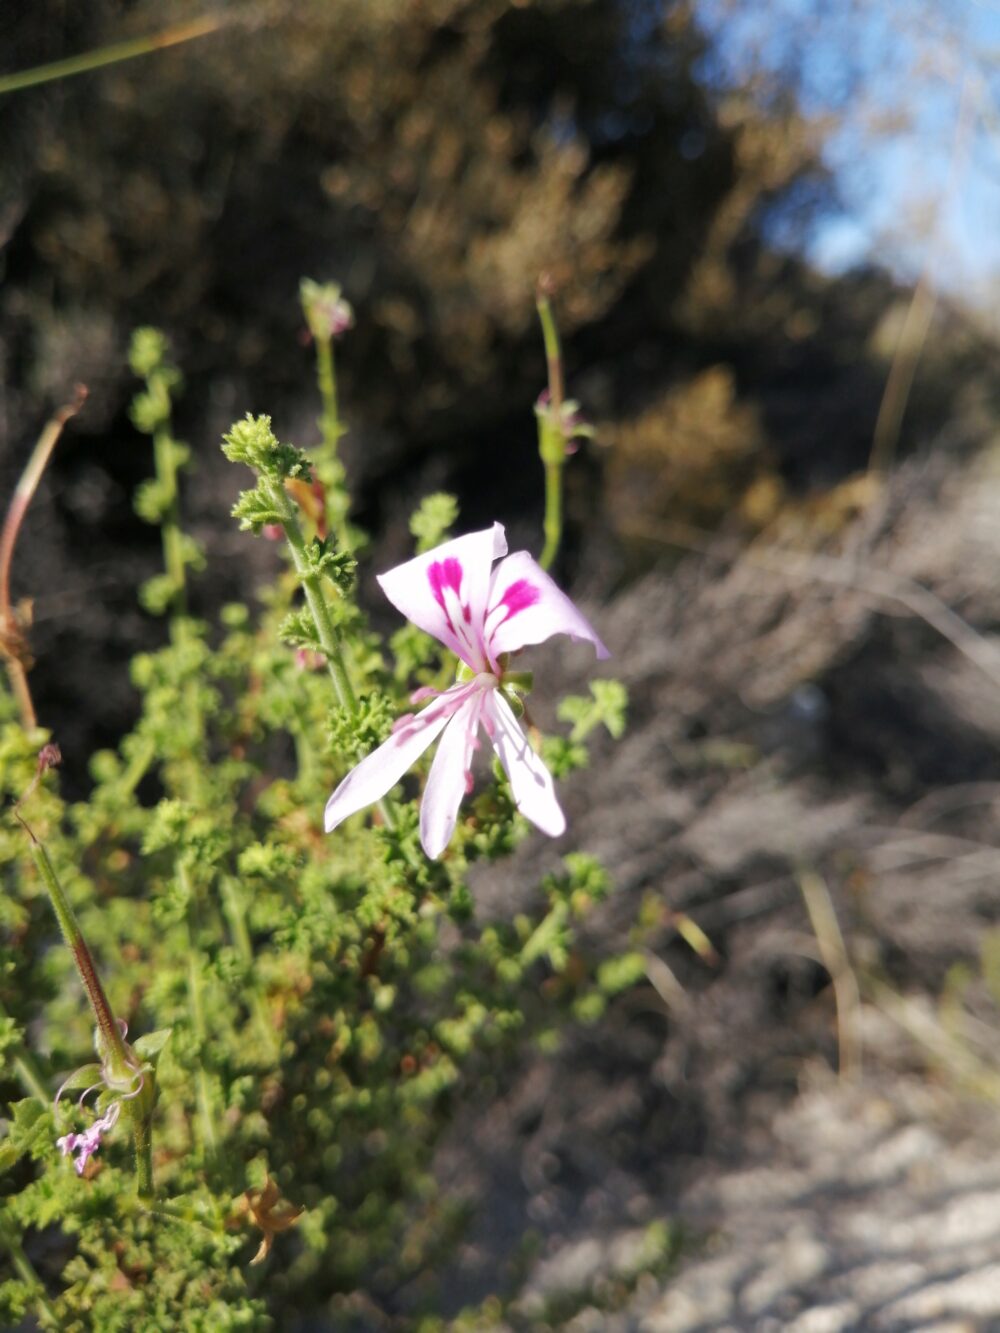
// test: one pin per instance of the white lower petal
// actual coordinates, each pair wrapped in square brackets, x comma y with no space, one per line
[383,768]
[446,782]
[530,780]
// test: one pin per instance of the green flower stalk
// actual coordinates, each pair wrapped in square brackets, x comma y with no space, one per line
[253,442]
[158,500]
[309,570]
[329,316]
[560,425]
[127,1083]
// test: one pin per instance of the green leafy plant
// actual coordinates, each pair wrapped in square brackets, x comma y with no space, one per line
[304,1011]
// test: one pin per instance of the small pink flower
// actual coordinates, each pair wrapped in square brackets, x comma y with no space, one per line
[87,1143]
[327,313]
[482,613]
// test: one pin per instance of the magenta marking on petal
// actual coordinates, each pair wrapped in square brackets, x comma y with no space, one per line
[403,728]
[518,597]
[443,574]
[424,692]
[468,782]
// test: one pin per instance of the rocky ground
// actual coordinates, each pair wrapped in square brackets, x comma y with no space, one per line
[810,776]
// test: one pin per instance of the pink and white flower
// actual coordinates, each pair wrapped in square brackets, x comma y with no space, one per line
[482,613]
[127,1085]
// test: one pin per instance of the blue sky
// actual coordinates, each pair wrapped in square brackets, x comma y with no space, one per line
[892,76]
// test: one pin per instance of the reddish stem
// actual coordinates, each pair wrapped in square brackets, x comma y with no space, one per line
[13,644]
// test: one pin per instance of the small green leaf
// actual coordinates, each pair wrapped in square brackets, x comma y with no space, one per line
[87,1076]
[607,705]
[299,630]
[157,593]
[147,351]
[149,1046]
[338,566]
[253,442]
[256,510]
[31,1126]
[618,974]
[354,732]
[431,522]
[152,500]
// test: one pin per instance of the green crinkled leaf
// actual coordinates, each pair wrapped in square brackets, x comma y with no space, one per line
[252,441]
[607,706]
[618,974]
[169,826]
[432,520]
[298,629]
[147,351]
[30,1127]
[355,732]
[255,511]
[325,559]
[151,409]
[611,699]
[548,939]
[191,552]
[152,500]
[563,756]
[157,593]
[266,861]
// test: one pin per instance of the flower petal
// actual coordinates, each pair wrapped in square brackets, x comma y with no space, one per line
[383,768]
[530,780]
[447,782]
[444,592]
[525,607]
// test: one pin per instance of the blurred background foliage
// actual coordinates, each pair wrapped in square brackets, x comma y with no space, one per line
[665,161]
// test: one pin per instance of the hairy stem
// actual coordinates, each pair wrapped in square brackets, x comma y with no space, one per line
[312,587]
[112,1042]
[170,528]
[326,379]
[320,612]
[552,525]
[142,1141]
[553,351]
